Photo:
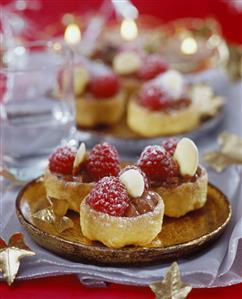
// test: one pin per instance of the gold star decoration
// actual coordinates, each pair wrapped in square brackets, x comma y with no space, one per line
[210,104]
[48,216]
[11,254]
[11,178]
[55,215]
[172,286]
[229,153]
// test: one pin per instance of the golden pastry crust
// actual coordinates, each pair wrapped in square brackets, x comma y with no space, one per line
[186,197]
[117,232]
[131,86]
[91,112]
[154,123]
[68,191]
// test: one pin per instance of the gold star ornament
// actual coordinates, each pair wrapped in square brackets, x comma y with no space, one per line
[229,152]
[172,286]
[11,254]
[49,217]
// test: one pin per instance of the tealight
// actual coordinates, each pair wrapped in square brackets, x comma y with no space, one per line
[189,46]
[128,29]
[72,34]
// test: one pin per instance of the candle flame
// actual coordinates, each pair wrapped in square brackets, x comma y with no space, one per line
[72,34]
[189,46]
[128,29]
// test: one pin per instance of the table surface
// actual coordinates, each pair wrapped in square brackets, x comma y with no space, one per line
[66,287]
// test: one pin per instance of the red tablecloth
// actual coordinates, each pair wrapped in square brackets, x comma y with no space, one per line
[66,287]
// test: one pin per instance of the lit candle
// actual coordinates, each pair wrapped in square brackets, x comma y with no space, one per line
[72,34]
[189,46]
[128,30]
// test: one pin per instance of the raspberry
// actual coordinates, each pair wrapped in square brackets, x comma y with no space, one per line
[153,65]
[154,98]
[170,145]
[109,196]
[103,161]
[158,165]
[136,168]
[104,85]
[61,161]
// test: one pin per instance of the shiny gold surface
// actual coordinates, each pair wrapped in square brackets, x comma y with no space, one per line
[229,152]
[178,237]
[171,286]
[11,256]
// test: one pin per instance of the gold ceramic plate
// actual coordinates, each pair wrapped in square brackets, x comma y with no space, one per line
[178,238]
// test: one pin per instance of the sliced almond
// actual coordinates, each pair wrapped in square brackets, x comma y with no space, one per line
[126,63]
[186,155]
[79,159]
[133,181]
[81,79]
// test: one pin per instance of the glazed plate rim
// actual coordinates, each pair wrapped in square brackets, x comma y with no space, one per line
[169,250]
[138,143]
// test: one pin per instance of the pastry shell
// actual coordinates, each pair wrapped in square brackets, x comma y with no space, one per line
[117,232]
[91,112]
[70,192]
[131,86]
[160,123]
[186,197]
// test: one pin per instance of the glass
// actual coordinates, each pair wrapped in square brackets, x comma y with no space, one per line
[37,110]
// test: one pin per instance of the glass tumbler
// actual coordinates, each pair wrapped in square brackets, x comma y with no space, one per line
[37,111]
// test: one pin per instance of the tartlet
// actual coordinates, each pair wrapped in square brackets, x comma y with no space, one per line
[120,212]
[65,192]
[72,174]
[186,196]
[100,99]
[170,106]
[174,172]
[91,112]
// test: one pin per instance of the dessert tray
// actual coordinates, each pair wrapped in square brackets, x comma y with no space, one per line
[179,237]
[123,138]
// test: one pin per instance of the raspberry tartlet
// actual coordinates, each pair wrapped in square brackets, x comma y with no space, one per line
[135,67]
[72,173]
[120,211]
[100,99]
[165,105]
[174,172]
